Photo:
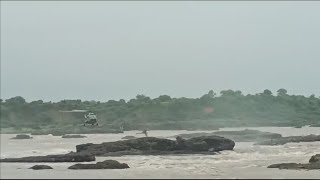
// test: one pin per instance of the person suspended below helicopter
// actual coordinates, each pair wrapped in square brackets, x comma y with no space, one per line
[144,132]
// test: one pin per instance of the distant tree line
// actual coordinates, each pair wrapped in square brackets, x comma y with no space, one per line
[230,108]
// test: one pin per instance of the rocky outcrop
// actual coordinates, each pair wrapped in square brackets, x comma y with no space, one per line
[129,137]
[290,139]
[107,164]
[73,136]
[314,163]
[246,135]
[71,157]
[22,136]
[315,158]
[39,167]
[296,166]
[157,146]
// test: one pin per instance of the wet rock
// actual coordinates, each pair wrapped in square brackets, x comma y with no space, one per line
[73,136]
[290,139]
[22,136]
[296,166]
[314,163]
[205,143]
[71,157]
[157,146]
[129,137]
[39,167]
[246,135]
[107,164]
[315,158]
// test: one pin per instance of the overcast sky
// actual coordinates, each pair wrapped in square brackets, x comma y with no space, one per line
[112,50]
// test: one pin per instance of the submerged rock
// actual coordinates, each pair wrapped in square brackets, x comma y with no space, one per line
[107,164]
[314,163]
[22,136]
[157,146]
[129,137]
[73,136]
[39,167]
[290,139]
[71,157]
[246,135]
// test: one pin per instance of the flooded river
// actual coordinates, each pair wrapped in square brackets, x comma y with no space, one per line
[245,161]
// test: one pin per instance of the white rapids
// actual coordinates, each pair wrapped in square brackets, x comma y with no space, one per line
[245,161]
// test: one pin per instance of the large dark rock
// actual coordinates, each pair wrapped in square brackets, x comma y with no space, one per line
[39,167]
[290,139]
[315,158]
[71,157]
[22,136]
[152,145]
[107,164]
[73,136]
[314,163]
[246,135]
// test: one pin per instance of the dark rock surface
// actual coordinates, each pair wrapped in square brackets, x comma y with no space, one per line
[296,166]
[246,135]
[157,146]
[71,157]
[290,139]
[314,163]
[73,136]
[315,158]
[22,136]
[39,167]
[107,164]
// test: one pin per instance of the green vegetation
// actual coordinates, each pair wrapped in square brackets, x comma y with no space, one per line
[230,109]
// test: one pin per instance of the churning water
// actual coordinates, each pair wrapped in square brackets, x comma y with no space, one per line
[245,161]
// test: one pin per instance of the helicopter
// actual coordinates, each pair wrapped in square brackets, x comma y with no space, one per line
[89,118]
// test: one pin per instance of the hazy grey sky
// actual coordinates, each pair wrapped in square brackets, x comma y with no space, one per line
[113,50]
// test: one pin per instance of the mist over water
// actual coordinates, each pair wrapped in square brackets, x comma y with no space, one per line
[245,161]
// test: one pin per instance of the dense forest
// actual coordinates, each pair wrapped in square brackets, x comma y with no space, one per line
[210,111]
